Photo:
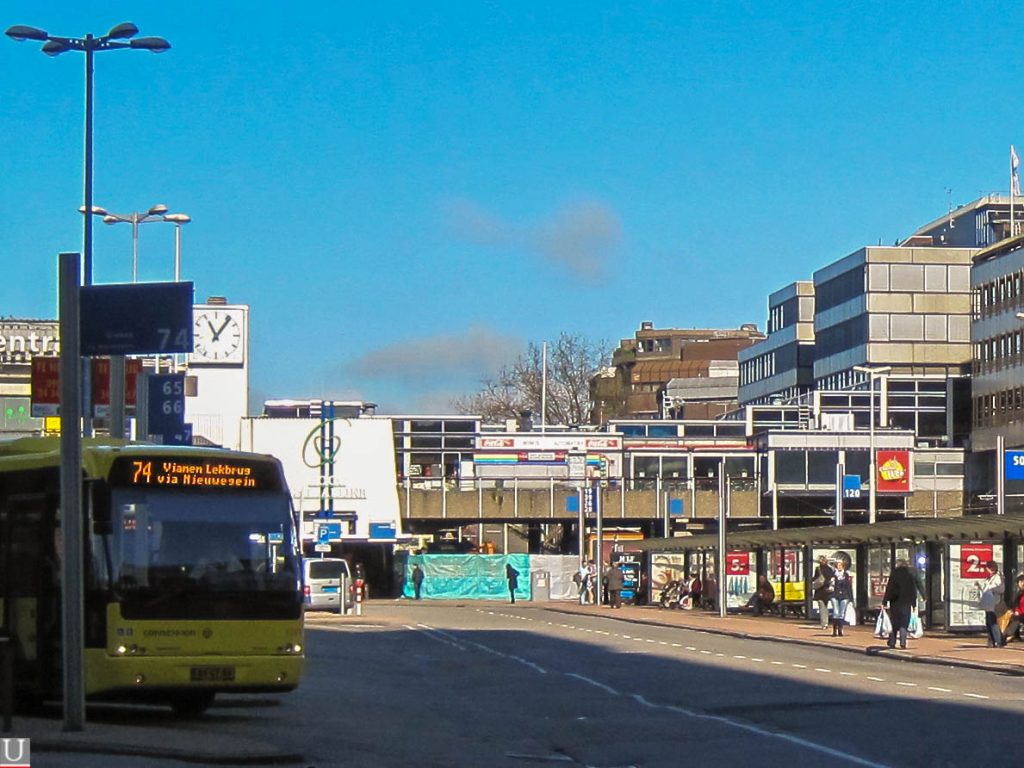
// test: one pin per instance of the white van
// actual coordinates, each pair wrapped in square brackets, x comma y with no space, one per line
[327,584]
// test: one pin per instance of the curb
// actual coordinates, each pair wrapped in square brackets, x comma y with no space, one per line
[870,650]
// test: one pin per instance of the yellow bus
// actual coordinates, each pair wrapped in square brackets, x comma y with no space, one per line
[192,574]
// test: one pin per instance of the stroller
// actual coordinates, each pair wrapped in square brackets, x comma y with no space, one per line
[672,594]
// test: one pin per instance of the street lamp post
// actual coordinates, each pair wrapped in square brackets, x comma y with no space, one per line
[873,373]
[121,36]
[156,213]
[70,449]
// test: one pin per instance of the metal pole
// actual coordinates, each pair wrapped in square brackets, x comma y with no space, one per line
[177,253]
[599,554]
[872,511]
[1000,475]
[71,493]
[840,472]
[723,524]
[86,373]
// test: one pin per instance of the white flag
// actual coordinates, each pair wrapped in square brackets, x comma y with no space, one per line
[1014,174]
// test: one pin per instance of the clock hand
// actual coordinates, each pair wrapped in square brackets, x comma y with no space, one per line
[216,334]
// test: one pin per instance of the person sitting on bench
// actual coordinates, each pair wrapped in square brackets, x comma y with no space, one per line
[762,599]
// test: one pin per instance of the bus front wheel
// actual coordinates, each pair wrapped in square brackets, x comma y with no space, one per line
[191,703]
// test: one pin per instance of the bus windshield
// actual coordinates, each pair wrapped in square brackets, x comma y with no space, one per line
[190,548]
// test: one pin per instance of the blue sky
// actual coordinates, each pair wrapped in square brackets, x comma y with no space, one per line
[407,193]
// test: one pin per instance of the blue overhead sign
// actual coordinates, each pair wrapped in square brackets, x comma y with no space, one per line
[136,319]
[1014,465]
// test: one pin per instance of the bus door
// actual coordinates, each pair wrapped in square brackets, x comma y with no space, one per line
[28,588]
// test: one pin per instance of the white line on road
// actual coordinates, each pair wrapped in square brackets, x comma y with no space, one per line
[907,685]
[434,634]
[975,696]
[837,754]
[876,679]
[940,690]
[821,669]
[593,682]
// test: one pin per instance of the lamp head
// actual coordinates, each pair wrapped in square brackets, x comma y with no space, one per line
[96,210]
[55,47]
[157,210]
[178,218]
[123,31]
[21,33]
[154,44]
[110,219]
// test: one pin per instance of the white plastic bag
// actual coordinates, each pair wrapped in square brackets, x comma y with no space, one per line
[915,628]
[851,615]
[883,624]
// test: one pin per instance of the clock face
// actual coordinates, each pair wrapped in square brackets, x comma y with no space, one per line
[217,336]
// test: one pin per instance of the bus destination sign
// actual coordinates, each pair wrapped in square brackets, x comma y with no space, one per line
[195,473]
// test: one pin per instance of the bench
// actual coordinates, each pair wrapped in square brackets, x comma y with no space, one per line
[783,608]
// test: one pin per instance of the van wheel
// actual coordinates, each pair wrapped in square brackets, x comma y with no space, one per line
[192,703]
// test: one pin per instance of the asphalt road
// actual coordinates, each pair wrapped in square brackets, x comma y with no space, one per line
[492,685]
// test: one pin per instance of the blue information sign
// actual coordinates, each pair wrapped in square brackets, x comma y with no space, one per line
[136,319]
[166,411]
[851,486]
[1014,465]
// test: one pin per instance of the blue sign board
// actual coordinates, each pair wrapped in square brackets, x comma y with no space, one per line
[851,486]
[165,414]
[676,507]
[382,530]
[1014,465]
[136,319]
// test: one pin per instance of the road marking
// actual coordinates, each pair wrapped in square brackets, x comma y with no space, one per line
[593,682]
[760,731]
[754,658]
[738,656]
[437,635]
[821,669]
[706,653]
[849,674]
[690,648]
[940,690]
[975,696]
[876,679]
[799,666]
[777,663]
[907,685]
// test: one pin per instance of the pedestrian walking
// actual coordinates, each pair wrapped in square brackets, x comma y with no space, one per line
[821,584]
[614,582]
[591,582]
[582,580]
[992,603]
[899,599]
[841,596]
[512,577]
[417,580]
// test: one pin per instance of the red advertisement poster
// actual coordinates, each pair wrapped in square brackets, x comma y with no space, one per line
[972,560]
[893,471]
[737,563]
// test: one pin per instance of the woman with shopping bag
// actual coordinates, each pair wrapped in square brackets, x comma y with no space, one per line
[841,591]
[900,597]
[883,625]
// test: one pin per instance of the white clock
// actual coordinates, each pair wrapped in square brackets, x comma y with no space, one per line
[218,335]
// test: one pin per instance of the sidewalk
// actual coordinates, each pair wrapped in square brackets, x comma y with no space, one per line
[951,649]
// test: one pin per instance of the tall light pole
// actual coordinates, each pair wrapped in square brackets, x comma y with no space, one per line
[71,503]
[118,37]
[157,212]
[873,373]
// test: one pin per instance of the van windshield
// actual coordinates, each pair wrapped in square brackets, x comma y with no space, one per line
[327,569]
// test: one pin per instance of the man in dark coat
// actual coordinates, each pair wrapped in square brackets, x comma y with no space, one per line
[417,580]
[512,576]
[614,581]
[900,596]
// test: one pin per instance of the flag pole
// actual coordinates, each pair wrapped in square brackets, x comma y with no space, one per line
[1013,229]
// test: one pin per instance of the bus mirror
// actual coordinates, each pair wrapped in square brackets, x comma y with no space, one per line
[100,509]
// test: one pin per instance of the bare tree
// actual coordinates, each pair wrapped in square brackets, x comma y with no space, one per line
[571,362]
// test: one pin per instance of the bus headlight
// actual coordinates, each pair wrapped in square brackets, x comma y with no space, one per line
[290,648]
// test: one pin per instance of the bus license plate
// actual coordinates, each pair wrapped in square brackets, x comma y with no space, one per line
[213,674]
[330,589]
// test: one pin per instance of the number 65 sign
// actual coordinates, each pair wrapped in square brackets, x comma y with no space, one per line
[972,560]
